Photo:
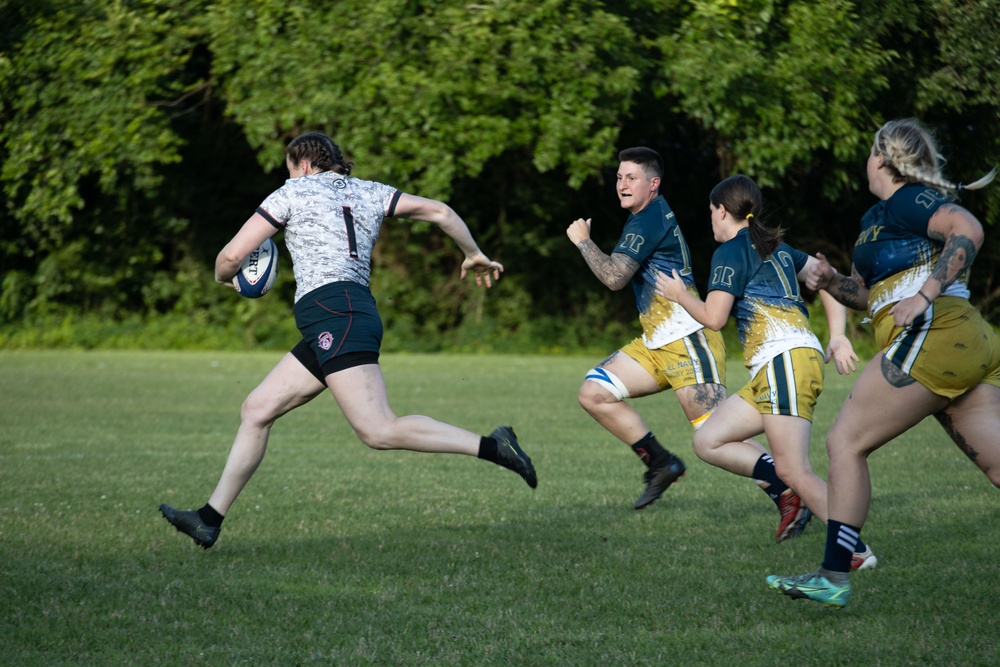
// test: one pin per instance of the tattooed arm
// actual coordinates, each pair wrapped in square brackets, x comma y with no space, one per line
[818,274]
[963,237]
[615,270]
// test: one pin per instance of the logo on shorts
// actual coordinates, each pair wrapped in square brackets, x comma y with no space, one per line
[325,340]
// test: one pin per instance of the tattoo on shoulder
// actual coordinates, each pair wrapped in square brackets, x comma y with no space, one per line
[894,375]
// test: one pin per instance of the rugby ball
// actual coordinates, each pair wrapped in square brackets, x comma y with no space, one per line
[258,271]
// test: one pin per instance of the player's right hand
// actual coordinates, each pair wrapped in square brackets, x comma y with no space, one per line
[579,231]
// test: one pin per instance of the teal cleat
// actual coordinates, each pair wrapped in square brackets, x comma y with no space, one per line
[832,589]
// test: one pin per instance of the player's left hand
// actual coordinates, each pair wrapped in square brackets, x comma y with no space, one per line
[669,287]
[842,353]
[482,266]
[908,309]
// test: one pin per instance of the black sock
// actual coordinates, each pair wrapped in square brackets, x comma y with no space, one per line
[650,451]
[764,471]
[842,541]
[488,449]
[210,517]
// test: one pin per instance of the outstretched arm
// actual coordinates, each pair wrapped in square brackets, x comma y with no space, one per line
[413,207]
[613,270]
[818,274]
[963,237]
[839,347]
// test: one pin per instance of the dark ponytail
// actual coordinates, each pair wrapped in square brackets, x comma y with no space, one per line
[741,198]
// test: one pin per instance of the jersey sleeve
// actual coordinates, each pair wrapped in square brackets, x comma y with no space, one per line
[915,206]
[277,208]
[799,258]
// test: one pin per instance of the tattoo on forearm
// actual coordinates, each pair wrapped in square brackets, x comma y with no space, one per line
[949,426]
[894,376]
[848,292]
[607,270]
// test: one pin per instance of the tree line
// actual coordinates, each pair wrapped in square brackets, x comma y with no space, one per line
[136,136]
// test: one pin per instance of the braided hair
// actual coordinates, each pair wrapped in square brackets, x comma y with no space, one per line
[320,150]
[910,154]
[742,199]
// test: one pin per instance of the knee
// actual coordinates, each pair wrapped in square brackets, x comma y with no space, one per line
[258,410]
[993,474]
[791,473]
[703,446]
[592,397]
[374,436]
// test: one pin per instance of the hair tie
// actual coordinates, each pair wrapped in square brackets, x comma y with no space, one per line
[749,215]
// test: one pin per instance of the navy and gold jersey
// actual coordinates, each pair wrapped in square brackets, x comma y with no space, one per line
[771,317]
[893,254]
[654,240]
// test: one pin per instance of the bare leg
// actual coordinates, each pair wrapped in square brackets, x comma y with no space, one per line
[698,400]
[884,403]
[973,422]
[724,441]
[614,414]
[285,388]
[361,394]
[789,440]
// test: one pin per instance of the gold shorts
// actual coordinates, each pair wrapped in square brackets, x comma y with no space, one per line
[951,351]
[699,358]
[789,384]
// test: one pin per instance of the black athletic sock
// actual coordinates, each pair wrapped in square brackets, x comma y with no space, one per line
[764,471]
[210,517]
[650,451]
[842,542]
[488,449]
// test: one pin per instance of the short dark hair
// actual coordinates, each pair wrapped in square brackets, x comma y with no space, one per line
[647,158]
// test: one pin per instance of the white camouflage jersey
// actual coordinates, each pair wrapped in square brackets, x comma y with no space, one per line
[331,222]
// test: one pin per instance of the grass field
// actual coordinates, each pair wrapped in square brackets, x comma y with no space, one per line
[340,555]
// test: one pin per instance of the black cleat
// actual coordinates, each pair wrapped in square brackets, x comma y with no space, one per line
[189,523]
[658,479]
[511,456]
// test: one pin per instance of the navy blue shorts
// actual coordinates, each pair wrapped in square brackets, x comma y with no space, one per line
[340,328]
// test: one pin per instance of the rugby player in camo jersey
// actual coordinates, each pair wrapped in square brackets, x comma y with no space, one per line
[330,222]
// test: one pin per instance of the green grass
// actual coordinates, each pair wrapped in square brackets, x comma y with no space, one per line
[339,555]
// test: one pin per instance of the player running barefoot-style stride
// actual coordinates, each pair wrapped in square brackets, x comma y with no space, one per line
[331,221]
[755,277]
[674,352]
[938,355]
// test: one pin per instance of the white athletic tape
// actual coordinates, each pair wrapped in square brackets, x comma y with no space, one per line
[609,381]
